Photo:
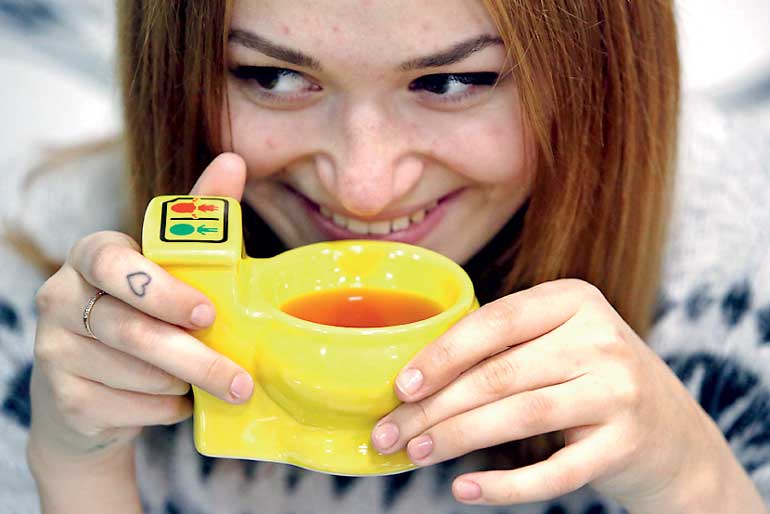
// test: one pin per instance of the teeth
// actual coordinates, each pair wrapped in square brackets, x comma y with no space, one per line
[359,227]
[401,223]
[418,216]
[377,227]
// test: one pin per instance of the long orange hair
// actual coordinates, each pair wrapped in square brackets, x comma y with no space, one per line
[599,82]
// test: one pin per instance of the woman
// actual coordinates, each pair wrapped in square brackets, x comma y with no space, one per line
[532,142]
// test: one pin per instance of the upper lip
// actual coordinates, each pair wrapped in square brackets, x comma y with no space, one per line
[390,215]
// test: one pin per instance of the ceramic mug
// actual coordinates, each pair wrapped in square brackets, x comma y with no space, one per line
[319,389]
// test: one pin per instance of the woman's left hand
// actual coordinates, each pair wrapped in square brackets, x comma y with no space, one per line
[557,357]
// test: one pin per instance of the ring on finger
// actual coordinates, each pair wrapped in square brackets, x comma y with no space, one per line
[87,312]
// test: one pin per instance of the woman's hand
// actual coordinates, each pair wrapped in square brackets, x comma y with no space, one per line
[557,357]
[92,396]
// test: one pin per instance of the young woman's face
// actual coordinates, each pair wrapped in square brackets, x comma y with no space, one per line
[378,120]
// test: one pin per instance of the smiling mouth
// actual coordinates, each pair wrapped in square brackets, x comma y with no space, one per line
[382,227]
[407,227]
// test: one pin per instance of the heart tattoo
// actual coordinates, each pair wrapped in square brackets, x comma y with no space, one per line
[138,282]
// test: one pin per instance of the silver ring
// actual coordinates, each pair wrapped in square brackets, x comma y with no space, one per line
[87,312]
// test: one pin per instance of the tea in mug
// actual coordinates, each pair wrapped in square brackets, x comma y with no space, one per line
[362,308]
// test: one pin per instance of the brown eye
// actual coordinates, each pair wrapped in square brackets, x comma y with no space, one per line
[277,88]
[275,80]
[452,84]
[265,77]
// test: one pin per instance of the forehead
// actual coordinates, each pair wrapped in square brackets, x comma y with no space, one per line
[357,30]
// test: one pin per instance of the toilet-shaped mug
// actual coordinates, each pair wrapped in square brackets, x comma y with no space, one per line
[319,389]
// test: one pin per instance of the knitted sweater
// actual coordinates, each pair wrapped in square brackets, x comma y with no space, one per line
[712,327]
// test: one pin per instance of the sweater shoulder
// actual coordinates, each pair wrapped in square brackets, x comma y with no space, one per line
[719,224]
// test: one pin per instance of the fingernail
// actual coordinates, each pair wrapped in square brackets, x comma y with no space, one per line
[202,315]
[241,386]
[409,381]
[420,447]
[467,490]
[385,436]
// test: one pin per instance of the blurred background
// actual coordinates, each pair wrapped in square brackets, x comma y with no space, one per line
[57,87]
[725,49]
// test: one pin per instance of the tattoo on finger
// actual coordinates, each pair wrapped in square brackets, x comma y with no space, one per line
[138,282]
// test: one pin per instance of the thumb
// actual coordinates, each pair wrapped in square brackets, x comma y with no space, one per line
[225,176]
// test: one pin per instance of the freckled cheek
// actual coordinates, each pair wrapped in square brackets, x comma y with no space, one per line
[487,152]
[266,142]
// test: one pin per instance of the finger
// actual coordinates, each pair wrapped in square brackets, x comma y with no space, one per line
[224,176]
[112,261]
[506,322]
[567,470]
[91,359]
[169,348]
[91,406]
[559,407]
[507,373]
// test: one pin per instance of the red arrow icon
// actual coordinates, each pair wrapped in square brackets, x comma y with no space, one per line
[207,207]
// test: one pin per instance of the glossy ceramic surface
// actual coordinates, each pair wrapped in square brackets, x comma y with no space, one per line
[319,389]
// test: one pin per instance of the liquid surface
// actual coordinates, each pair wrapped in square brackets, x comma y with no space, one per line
[362,308]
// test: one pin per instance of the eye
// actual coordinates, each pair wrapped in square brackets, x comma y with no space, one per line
[271,83]
[453,87]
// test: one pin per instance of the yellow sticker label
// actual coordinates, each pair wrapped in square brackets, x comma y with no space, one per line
[194,219]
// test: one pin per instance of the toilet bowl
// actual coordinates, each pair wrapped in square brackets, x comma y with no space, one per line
[319,389]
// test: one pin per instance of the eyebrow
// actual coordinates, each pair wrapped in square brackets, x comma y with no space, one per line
[282,53]
[454,54]
[457,53]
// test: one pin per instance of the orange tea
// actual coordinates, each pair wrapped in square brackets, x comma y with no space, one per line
[362,308]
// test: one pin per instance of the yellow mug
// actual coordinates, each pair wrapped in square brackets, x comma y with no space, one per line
[319,389]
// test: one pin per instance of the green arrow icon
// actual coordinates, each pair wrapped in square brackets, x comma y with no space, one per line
[203,230]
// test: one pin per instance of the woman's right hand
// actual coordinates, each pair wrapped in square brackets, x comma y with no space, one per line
[92,396]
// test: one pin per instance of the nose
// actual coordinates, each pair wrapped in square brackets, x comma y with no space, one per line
[371,163]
